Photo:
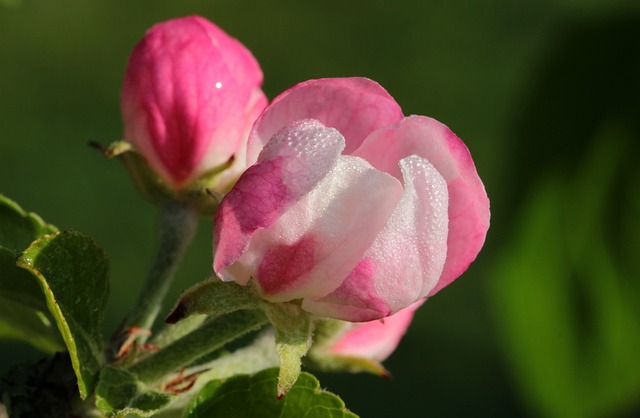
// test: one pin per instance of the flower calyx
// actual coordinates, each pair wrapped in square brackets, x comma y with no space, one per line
[204,193]
[293,326]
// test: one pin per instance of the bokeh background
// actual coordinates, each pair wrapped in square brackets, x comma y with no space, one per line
[546,94]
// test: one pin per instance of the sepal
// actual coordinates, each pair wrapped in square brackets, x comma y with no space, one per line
[293,326]
[294,329]
[214,297]
[320,357]
[327,362]
[204,193]
[359,347]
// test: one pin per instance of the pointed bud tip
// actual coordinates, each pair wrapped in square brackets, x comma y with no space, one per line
[282,390]
[284,386]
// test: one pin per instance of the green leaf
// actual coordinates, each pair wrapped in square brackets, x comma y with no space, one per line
[73,272]
[44,389]
[19,228]
[119,393]
[255,395]
[23,309]
[17,285]
[21,323]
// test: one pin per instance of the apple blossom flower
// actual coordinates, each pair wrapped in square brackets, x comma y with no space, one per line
[190,95]
[350,207]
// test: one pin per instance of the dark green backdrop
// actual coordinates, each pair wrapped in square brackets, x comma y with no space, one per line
[546,95]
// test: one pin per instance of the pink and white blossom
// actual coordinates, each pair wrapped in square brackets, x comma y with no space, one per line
[349,206]
[190,95]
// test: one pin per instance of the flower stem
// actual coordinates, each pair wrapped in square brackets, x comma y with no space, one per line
[178,224]
[211,336]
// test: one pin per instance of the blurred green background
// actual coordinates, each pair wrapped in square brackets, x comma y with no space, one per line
[545,93]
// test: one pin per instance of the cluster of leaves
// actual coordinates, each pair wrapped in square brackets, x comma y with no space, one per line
[70,290]
[54,287]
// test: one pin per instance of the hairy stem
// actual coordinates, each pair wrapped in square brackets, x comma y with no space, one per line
[211,336]
[178,224]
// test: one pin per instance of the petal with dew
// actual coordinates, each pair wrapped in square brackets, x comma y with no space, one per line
[405,261]
[468,201]
[314,245]
[295,160]
[355,106]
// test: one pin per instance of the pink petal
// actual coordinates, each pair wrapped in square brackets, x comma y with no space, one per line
[406,259]
[468,201]
[354,106]
[225,179]
[290,166]
[186,92]
[375,340]
[314,245]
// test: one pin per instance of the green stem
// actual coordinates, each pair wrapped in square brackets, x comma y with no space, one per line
[211,336]
[178,225]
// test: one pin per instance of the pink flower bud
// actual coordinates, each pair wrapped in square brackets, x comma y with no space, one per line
[349,206]
[190,96]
